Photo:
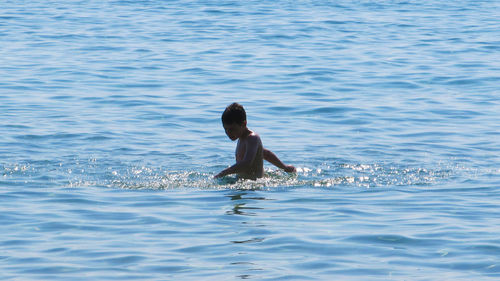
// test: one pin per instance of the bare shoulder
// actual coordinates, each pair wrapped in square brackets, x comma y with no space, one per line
[253,137]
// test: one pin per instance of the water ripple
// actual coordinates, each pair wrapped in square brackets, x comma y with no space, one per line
[111,135]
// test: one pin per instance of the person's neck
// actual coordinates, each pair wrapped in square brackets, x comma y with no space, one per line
[246,133]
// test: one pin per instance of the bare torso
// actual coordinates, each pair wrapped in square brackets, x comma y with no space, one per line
[256,168]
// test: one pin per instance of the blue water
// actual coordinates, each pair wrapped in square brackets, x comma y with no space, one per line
[111,134]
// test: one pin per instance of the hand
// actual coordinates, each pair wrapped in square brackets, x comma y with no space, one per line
[290,169]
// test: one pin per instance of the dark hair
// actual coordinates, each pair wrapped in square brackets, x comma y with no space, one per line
[234,113]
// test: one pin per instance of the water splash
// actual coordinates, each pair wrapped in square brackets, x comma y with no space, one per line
[126,176]
[340,175]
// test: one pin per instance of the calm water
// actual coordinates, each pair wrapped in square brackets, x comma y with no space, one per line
[110,136]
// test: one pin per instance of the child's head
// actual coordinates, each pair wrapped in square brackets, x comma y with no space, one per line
[234,120]
[234,113]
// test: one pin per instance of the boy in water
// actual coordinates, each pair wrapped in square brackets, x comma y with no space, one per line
[249,151]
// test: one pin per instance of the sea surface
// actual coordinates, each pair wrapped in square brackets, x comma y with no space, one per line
[111,135]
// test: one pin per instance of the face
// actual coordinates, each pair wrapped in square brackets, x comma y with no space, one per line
[234,130]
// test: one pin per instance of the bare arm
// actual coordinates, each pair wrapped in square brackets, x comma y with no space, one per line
[251,150]
[273,159]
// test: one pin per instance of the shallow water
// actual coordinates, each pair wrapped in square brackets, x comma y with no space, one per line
[111,134]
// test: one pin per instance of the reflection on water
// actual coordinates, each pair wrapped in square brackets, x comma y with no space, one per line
[242,203]
[253,240]
[240,208]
